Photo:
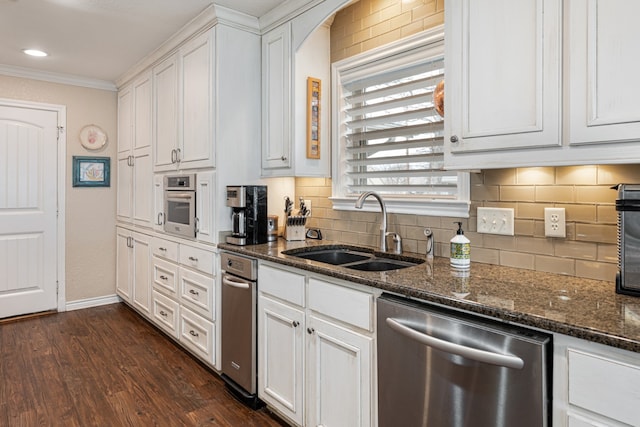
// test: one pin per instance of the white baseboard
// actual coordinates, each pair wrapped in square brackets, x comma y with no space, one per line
[92,302]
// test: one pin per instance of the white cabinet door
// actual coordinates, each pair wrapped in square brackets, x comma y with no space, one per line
[165,123]
[280,357]
[158,202]
[276,98]
[339,372]
[603,71]
[503,74]
[196,80]
[205,196]
[124,276]
[142,180]
[141,254]
[125,120]
[143,109]
[124,191]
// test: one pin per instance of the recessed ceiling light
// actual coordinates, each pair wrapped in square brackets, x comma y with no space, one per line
[34,52]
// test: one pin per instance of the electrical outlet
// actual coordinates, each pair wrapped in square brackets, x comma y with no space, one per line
[554,222]
[495,221]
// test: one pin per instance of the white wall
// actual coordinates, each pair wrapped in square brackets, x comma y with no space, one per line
[90,212]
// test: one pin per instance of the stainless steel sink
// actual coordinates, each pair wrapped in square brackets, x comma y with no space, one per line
[354,258]
[382,265]
[334,256]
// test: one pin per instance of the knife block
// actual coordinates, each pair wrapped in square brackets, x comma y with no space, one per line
[294,232]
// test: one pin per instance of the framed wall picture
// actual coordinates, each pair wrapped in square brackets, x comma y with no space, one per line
[91,171]
[314,87]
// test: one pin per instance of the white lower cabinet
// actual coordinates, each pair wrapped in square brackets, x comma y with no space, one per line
[133,282]
[316,349]
[181,291]
[594,385]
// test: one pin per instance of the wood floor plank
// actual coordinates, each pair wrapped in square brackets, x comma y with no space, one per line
[106,366]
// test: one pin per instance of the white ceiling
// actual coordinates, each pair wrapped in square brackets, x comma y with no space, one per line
[98,39]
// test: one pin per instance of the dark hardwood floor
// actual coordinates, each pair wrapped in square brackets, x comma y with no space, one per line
[105,366]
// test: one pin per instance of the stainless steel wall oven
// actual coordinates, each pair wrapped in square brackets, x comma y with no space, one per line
[180,205]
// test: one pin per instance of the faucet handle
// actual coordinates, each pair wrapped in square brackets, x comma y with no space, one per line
[397,240]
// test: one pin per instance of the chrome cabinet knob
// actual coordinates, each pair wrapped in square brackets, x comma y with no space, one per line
[453,139]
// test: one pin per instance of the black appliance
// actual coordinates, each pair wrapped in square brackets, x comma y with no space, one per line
[248,215]
[628,207]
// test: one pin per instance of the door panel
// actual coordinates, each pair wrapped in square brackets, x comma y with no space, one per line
[28,205]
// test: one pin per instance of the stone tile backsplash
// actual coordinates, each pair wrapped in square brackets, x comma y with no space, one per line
[589,250]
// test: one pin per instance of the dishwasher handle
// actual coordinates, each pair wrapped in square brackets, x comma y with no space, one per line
[484,356]
[233,283]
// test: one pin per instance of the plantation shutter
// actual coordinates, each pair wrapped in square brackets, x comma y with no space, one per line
[394,137]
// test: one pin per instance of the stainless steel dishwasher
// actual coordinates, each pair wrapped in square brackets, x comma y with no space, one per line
[439,368]
[239,342]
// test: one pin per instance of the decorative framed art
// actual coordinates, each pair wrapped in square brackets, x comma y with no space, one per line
[91,171]
[314,87]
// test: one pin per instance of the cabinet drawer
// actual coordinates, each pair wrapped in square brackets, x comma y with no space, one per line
[608,387]
[165,249]
[197,292]
[198,259]
[196,333]
[165,275]
[341,303]
[165,313]
[283,284]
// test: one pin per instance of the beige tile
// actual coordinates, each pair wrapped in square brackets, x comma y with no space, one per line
[424,11]
[580,213]
[381,40]
[581,250]
[412,28]
[362,35]
[617,174]
[353,50]
[535,176]
[499,176]
[524,227]
[534,245]
[492,241]
[404,219]
[555,194]
[607,253]
[517,259]
[372,20]
[520,193]
[394,11]
[555,265]
[510,205]
[597,271]
[486,256]
[428,221]
[596,233]
[485,192]
[578,175]
[530,210]
[538,229]
[350,238]
[607,214]
[476,178]
[595,194]
[401,20]
[434,20]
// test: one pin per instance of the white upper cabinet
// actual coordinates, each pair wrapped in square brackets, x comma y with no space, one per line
[183,94]
[134,174]
[285,70]
[602,43]
[503,73]
[541,82]
[276,98]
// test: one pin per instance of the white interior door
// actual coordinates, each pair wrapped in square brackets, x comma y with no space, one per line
[28,205]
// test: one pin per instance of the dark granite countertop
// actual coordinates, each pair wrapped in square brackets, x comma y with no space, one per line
[582,308]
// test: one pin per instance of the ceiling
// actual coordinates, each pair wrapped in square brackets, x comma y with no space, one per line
[98,39]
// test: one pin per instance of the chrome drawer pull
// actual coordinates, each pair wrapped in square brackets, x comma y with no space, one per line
[193,259]
[193,333]
[163,249]
[295,323]
[163,313]
[164,277]
[192,292]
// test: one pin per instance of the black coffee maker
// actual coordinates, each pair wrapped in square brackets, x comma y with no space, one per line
[249,214]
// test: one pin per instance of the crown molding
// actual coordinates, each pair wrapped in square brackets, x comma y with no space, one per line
[47,76]
[207,19]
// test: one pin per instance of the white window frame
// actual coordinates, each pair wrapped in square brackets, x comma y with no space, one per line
[407,50]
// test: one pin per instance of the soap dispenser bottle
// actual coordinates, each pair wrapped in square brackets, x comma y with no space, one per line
[460,249]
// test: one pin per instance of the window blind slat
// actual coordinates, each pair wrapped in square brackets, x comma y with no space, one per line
[424,85]
[404,131]
[427,145]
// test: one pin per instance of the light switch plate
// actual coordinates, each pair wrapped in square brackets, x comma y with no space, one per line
[554,222]
[496,221]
